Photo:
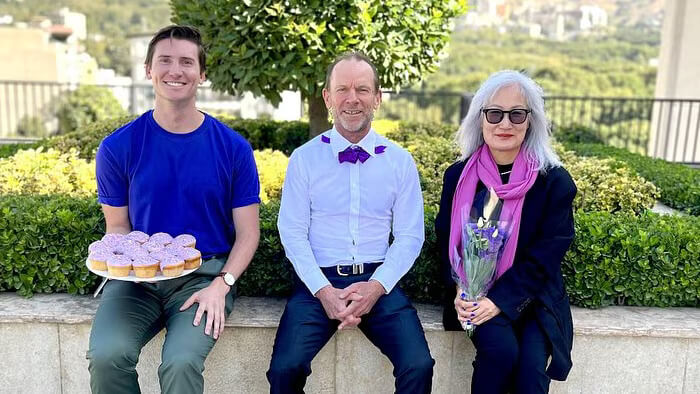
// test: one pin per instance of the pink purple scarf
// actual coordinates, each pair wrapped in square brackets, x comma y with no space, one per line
[481,166]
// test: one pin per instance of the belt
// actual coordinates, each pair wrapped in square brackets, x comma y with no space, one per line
[351,269]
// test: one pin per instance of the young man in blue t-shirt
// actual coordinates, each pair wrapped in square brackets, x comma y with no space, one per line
[175,170]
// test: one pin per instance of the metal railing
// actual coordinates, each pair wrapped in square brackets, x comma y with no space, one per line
[422,106]
[666,128]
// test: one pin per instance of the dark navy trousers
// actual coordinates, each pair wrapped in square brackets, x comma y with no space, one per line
[511,357]
[392,325]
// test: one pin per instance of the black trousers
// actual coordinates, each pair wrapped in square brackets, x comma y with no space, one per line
[511,357]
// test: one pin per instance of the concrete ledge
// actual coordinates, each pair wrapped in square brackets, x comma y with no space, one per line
[616,350]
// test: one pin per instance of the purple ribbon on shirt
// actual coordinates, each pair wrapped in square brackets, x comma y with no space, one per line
[354,153]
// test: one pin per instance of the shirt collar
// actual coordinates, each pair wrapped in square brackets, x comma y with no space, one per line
[339,143]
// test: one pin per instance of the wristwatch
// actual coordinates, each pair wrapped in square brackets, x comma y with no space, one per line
[229,279]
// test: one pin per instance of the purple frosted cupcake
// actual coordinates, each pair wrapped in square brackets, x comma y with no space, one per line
[151,246]
[145,267]
[185,240]
[173,249]
[133,253]
[125,246]
[138,236]
[98,259]
[192,257]
[99,245]
[119,265]
[112,239]
[161,238]
[172,266]
[160,255]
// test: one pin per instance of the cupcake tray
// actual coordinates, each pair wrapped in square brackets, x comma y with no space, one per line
[133,278]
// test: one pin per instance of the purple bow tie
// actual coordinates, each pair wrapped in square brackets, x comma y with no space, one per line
[352,154]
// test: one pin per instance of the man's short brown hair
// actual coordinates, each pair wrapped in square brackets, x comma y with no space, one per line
[180,32]
[352,56]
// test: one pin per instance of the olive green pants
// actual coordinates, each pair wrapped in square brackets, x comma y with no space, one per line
[130,314]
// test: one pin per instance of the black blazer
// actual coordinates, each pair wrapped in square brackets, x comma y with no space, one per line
[546,232]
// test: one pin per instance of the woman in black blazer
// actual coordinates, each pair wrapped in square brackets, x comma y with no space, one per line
[525,317]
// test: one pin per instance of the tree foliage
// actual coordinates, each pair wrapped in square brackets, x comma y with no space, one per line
[85,105]
[267,47]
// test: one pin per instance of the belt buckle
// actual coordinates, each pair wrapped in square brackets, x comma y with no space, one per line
[339,271]
[357,269]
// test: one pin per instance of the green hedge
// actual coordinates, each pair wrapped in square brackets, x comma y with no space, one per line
[262,134]
[650,260]
[7,150]
[576,134]
[647,260]
[43,243]
[407,130]
[679,184]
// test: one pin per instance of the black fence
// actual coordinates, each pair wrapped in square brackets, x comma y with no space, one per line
[666,128]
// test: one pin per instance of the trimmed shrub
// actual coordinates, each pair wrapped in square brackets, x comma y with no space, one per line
[410,130]
[51,172]
[262,134]
[86,104]
[47,172]
[385,126]
[423,282]
[270,273]
[7,150]
[272,166]
[678,184]
[432,156]
[647,260]
[270,134]
[86,139]
[576,134]
[43,243]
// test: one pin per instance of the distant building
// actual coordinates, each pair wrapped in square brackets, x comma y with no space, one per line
[48,57]
[592,17]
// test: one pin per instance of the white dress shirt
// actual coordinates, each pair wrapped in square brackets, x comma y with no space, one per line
[342,213]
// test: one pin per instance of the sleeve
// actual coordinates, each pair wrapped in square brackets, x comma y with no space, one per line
[540,260]
[112,179]
[293,223]
[442,225]
[408,228]
[246,184]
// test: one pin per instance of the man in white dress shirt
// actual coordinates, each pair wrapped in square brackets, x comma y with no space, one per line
[345,191]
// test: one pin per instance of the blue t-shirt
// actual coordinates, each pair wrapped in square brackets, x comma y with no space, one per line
[179,183]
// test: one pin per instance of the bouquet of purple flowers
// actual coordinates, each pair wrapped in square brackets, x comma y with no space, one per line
[474,267]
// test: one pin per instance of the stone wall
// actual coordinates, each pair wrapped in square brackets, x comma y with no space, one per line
[616,350]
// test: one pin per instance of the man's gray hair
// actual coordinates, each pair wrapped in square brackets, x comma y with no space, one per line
[537,142]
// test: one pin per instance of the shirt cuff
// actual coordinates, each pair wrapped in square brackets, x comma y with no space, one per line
[384,277]
[315,280]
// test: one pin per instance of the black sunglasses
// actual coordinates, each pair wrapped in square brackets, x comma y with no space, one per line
[495,115]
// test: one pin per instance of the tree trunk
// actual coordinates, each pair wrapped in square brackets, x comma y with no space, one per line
[318,116]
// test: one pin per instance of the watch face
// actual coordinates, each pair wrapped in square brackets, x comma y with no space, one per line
[229,279]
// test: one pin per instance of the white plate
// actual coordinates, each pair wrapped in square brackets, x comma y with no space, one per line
[133,278]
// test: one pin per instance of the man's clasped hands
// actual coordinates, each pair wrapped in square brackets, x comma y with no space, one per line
[349,304]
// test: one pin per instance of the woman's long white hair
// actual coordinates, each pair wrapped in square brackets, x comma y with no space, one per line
[537,143]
